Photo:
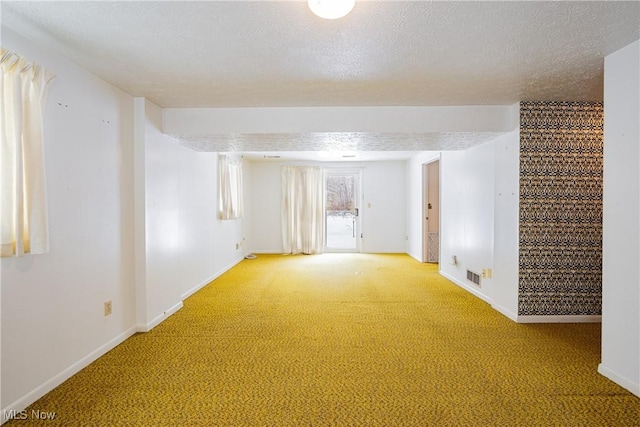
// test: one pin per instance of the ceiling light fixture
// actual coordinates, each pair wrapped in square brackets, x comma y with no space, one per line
[331,9]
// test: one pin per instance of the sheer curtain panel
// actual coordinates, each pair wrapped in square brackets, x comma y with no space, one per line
[302,209]
[229,188]
[23,206]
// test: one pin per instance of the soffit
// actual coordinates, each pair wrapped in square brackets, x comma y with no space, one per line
[385,53]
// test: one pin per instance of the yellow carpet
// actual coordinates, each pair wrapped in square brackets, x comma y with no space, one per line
[344,340]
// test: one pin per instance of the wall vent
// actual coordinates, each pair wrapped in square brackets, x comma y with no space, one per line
[433,253]
[473,277]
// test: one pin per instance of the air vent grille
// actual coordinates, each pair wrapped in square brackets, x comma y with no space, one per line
[473,277]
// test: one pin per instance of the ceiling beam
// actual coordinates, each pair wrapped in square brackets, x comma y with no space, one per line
[199,122]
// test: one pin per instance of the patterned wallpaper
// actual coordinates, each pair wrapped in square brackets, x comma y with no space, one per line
[560,208]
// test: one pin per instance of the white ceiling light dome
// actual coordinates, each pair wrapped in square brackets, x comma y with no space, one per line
[331,9]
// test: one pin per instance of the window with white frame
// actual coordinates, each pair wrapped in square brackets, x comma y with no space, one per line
[229,188]
[23,203]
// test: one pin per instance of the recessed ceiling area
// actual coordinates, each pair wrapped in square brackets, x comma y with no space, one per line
[226,54]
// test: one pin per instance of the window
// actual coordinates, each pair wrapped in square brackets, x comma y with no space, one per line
[23,214]
[229,188]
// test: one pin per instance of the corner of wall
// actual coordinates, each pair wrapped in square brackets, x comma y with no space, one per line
[620,379]
[146,327]
[621,228]
[139,171]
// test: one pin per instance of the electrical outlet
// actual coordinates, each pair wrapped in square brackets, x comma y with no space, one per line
[107,308]
[489,273]
[237,246]
[484,273]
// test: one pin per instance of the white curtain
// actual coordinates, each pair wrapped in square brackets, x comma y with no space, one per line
[302,209]
[229,188]
[23,207]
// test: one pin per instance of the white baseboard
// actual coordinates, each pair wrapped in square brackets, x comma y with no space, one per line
[210,279]
[35,394]
[269,252]
[559,319]
[508,313]
[468,288]
[619,379]
[523,319]
[414,257]
[159,319]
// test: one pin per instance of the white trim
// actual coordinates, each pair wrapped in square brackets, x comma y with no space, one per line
[466,287]
[619,379]
[159,319]
[212,278]
[508,313]
[416,258]
[524,319]
[559,319]
[359,201]
[35,394]
[269,251]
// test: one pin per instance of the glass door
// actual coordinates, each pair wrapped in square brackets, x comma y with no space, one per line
[342,213]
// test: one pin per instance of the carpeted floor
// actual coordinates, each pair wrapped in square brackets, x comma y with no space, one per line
[344,340]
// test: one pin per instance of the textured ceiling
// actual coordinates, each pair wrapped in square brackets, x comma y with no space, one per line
[338,141]
[385,53]
[276,53]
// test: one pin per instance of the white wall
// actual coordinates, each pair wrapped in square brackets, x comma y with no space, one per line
[467,207]
[383,224]
[265,194]
[53,322]
[415,194]
[506,217]
[621,213]
[186,244]
[479,219]
[163,240]
[208,244]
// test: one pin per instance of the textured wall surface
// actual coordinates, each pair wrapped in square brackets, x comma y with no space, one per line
[560,261]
